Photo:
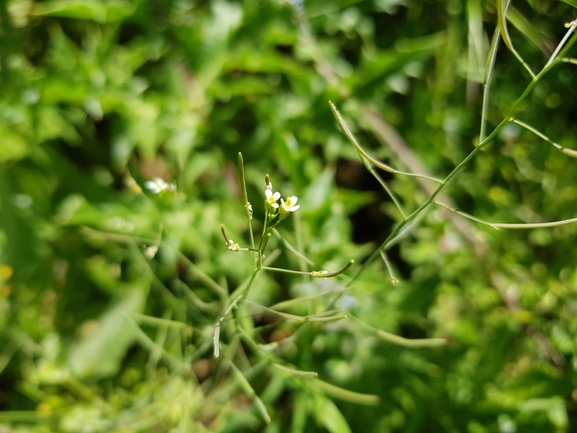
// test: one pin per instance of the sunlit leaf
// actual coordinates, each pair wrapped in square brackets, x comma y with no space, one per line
[100,352]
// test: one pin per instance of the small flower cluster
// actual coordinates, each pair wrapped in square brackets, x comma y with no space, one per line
[230,244]
[272,207]
[158,185]
[276,209]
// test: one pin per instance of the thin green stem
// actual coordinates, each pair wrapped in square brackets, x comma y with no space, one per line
[196,271]
[264,244]
[346,395]
[394,279]
[299,234]
[263,355]
[265,229]
[571,26]
[248,389]
[489,68]
[316,274]
[413,215]
[216,336]
[285,271]
[249,285]
[238,299]
[502,6]
[376,175]
[202,276]
[569,60]
[484,142]
[498,226]
[326,316]
[149,344]
[193,297]
[247,205]
[159,321]
[373,161]
[292,249]
[269,357]
[567,151]
[400,341]
[293,371]
[327,274]
[291,302]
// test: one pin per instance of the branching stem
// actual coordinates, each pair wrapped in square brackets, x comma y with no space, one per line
[555,58]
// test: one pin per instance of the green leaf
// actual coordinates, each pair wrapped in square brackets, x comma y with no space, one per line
[100,353]
[101,11]
[571,2]
[554,407]
[329,416]
[317,194]
[502,6]
[13,146]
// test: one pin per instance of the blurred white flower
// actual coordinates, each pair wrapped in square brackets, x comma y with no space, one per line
[288,206]
[270,201]
[150,251]
[231,245]
[158,185]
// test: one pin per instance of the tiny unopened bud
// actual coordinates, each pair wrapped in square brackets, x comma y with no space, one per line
[326,274]
[267,182]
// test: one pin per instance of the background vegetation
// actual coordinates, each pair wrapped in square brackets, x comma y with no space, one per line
[102,332]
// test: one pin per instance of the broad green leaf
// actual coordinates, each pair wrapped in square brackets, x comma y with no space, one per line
[100,353]
[317,193]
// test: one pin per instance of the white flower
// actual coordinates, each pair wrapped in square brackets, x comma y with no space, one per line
[249,211]
[150,252]
[270,201]
[288,206]
[231,245]
[158,185]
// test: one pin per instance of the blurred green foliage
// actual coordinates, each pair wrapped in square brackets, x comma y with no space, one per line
[101,332]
